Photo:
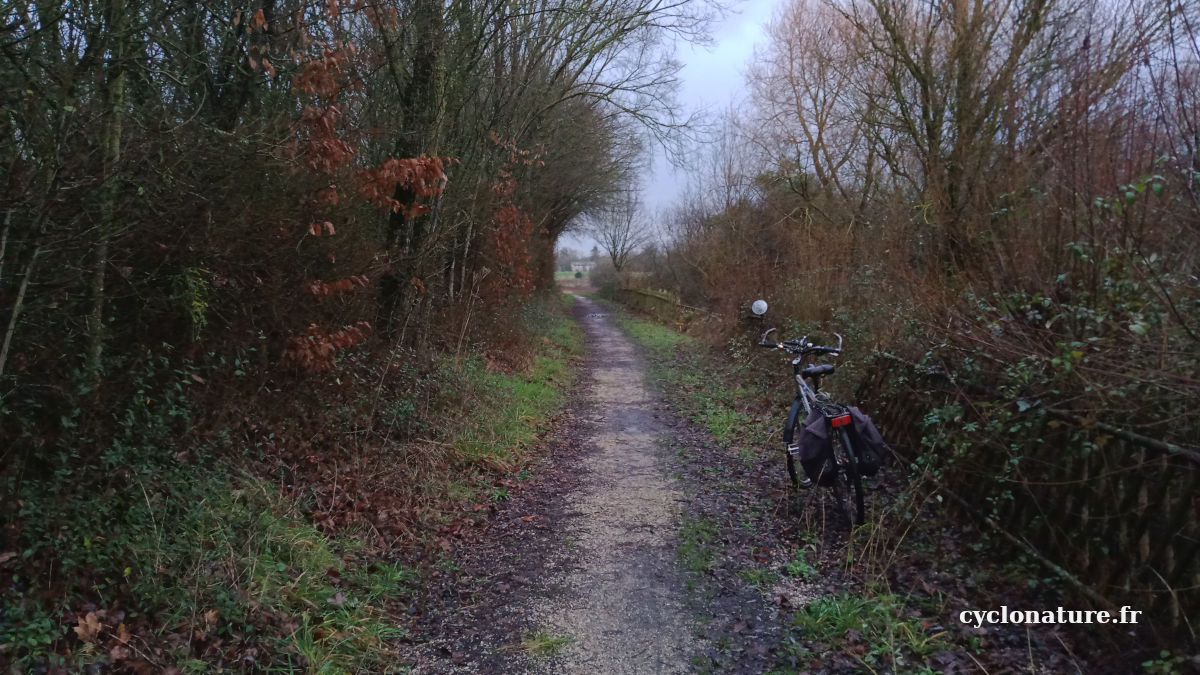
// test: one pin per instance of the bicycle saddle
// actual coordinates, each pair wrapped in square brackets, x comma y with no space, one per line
[817,370]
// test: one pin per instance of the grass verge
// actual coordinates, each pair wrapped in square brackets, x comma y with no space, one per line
[230,565]
[699,387]
[519,405]
[181,560]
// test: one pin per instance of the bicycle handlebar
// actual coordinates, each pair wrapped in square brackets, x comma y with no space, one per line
[801,346]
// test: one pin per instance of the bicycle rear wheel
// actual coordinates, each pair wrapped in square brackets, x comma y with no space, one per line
[849,489]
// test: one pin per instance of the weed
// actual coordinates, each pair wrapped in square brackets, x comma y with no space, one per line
[759,578]
[1166,664]
[875,629]
[545,644]
[798,567]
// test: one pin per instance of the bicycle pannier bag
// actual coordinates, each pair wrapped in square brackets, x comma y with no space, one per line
[867,442]
[816,450]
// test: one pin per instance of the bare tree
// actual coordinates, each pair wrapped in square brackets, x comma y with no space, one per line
[620,228]
[809,109]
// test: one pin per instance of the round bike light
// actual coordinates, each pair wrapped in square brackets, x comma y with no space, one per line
[759,307]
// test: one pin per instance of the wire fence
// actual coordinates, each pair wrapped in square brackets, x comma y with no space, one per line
[1112,512]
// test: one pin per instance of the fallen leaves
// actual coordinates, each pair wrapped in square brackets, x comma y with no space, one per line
[119,653]
[89,627]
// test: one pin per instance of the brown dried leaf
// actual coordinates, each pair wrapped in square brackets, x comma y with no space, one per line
[88,628]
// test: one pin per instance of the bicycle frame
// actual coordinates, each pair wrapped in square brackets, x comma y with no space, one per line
[806,394]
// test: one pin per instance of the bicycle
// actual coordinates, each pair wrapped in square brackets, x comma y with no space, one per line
[840,468]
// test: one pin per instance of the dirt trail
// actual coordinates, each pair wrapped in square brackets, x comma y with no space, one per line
[586,549]
[622,604]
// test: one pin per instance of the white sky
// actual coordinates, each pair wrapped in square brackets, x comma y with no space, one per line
[711,80]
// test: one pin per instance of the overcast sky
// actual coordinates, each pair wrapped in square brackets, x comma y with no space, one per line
[711,80]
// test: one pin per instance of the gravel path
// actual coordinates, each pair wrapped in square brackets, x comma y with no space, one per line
[622,604]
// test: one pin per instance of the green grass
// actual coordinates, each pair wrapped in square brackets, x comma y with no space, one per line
[545,644]
[759,577]
[654,336]
[286,568]
[697,538]
[237,561]
[877,629]
[520,403]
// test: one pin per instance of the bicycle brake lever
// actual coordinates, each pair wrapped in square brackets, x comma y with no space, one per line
[839,337]
[763,340]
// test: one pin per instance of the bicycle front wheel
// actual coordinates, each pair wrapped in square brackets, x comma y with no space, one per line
[849,478]
[790,430]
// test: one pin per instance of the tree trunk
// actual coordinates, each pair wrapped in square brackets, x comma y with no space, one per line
[422,110]
[114,103]
[4,240]
[16,310]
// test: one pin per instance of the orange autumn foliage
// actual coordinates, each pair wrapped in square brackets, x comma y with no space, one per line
[316,349]
[510,233]
[322,288]
[423,175]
